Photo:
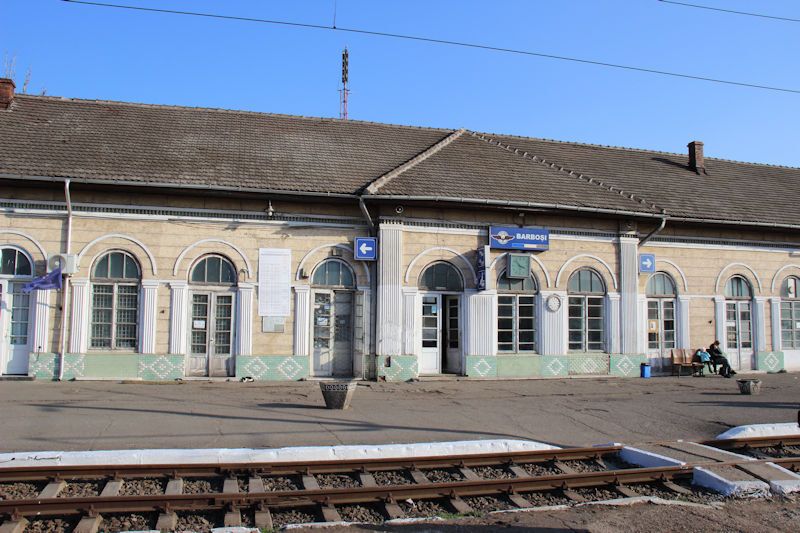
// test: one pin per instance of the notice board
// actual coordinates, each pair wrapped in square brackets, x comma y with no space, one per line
[274,281]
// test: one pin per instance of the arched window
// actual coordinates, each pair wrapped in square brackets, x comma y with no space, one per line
[660,285]
[661,313]
[586,311]
[790,313]
[115,302]
[441,277]
[738,314]
[14,263]
[333,273]
[516,314]
[738,288]
[214,270]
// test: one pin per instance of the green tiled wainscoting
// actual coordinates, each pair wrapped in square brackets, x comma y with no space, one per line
[43,365]
[523,366]
[769,361]
[146,367]
[272,367]
[401,367]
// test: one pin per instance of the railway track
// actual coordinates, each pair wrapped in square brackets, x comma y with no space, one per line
[267,495]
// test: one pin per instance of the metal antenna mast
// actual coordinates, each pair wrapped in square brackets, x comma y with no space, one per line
[345,91]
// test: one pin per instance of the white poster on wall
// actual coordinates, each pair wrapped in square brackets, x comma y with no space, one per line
[274,281]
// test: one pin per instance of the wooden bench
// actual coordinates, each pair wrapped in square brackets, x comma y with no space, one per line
[682,358]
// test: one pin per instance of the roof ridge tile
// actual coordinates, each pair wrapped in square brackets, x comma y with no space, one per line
[569,172]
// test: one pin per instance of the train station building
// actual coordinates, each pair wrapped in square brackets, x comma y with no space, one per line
[206,242]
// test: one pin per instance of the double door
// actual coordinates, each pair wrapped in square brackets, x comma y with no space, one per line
[660,329]
[15,319]
[332,333]
[739,333]
[211,334]
[441,334]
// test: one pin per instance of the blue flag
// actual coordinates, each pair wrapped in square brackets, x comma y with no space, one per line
[51,280]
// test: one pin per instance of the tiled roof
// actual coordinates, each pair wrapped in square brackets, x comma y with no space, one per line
[199,147]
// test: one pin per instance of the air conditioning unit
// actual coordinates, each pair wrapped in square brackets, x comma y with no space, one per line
[67,262]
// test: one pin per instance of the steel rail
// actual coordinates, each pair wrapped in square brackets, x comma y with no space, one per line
[754,442]
[339,496]
[36,473]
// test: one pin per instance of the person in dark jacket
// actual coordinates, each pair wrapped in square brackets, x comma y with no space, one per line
[718,358]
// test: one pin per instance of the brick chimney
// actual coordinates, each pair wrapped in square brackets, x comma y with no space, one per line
[696,160]
[6,92]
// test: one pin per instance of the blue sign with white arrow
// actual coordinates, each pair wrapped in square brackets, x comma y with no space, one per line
[647,263]
[365,249]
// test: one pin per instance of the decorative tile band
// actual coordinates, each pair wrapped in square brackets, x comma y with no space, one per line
[400,367]
[770,361]
[272,367]
[160,367]
[43,366]
[479,366]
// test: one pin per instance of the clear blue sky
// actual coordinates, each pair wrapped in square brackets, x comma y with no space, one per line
[90,52]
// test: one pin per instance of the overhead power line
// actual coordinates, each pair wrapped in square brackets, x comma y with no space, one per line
[441,41]
[711,8]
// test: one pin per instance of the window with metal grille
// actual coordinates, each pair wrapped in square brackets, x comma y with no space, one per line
[115,302]
[790,313]
[516,315]
[586,312]
[661,294]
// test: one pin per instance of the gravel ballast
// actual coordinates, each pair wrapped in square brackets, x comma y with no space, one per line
[143,487]
[20,491]
[493,472]
[443,475]
[52,525]
[485,504]
[293,516]
[81,488]
[202,486]
[393,477]
[198,522]
[336,481]
[585,466]
[273,484]
[596,494]
[361,513]
[541,469]
[424,508]
[128,522]
[544,499]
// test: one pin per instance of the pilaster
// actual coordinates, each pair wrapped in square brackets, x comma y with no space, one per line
[178,317]
[481,322]
[390,297]
[759,323]
[147,313]
[79,324]
[629,287]
[410,306]
[719,322]
[683,337]
[775,315]
[553,332]
[40,303]
[302,319]
[244,319]
[613,300]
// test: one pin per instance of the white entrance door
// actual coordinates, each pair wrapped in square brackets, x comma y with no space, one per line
[660,330]
[430,361]
[332,332]
[211,352]
[739,334]
[15,318]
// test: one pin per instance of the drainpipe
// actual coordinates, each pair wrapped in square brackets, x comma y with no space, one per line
[654,232]
[373,285]
[65,285]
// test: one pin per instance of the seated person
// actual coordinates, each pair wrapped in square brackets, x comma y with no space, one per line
[718,358]
[705,358]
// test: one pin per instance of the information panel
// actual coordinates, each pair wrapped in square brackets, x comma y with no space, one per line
[513,238]
[274,281]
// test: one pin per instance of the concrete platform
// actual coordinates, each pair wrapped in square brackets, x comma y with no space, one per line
[107,415]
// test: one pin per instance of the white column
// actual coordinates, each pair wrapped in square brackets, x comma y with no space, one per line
[244,319]
[390,296]
[759,324]
[719,322]
[553,332]
[40,303]
[79,327]
[411,311]
[302,319]
[629,287]
[612,323]
[777,339]
[179,317]
[361,327]
[147,316]
[683,333]
[481,324]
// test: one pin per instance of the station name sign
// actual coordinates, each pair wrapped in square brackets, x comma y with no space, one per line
[513,238]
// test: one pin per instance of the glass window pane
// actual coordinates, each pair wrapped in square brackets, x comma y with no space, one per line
[213,267]
[505,323]
[228,275]
[23,265]
[116,261]
[101,270]
[199,272]
[131,268]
